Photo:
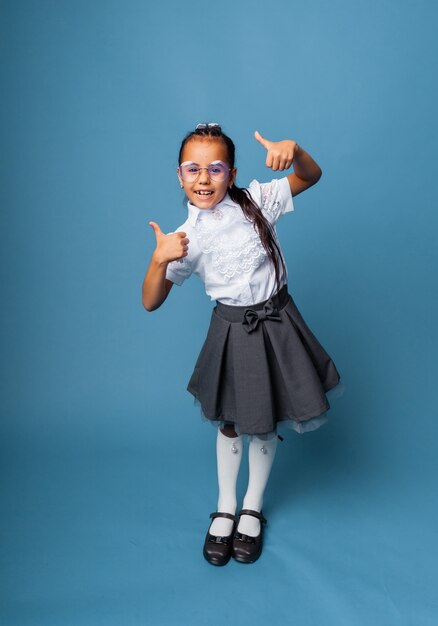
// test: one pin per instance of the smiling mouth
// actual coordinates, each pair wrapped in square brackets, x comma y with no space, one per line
[204,194]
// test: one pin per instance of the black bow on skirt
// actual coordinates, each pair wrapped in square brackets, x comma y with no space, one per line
[251,317]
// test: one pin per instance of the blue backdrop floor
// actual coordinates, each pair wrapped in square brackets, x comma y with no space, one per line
[112,534]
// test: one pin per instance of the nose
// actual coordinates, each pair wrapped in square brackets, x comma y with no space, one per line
[204,176]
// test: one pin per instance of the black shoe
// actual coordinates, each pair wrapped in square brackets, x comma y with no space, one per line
[247,549]
[217,550]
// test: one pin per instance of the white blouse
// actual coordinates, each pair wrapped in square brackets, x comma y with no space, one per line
[225,250]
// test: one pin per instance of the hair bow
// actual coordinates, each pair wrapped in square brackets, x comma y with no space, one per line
[251,317]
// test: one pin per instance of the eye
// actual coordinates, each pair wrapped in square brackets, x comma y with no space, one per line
[217,168]
[191,170]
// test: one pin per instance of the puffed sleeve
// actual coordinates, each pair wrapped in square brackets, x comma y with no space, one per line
[274,198]
[177,271]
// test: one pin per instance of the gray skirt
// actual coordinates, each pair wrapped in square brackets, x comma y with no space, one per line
[261,366]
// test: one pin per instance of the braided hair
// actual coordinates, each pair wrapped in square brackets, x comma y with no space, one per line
[242,196]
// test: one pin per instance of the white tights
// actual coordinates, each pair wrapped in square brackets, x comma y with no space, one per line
[261,453]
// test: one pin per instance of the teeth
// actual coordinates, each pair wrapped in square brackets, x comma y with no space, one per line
[204,193]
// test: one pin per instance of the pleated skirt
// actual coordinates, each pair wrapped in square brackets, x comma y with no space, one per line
[261,367]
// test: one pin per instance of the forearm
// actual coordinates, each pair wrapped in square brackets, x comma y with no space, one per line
[154,287]
[304,166]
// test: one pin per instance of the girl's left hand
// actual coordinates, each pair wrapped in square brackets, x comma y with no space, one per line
[280,153]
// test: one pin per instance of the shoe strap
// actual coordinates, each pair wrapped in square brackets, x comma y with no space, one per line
[220,514]
[244,538]
[254,514]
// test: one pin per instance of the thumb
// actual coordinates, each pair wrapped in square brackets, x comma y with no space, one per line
[265,143]
[157,230]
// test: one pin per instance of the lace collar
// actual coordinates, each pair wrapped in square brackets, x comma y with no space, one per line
[194,211]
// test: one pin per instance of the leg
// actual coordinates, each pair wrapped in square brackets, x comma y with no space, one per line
[229,449]
[261,456]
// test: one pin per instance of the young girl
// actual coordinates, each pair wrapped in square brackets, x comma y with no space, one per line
[260,365]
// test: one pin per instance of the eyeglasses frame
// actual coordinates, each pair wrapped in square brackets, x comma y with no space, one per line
[203,168]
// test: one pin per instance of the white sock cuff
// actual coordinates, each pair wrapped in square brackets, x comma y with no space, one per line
[265,437]
[265,445]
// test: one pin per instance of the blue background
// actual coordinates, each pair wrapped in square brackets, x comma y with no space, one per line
[108,474]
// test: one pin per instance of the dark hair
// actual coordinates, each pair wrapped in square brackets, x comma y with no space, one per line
[242,197]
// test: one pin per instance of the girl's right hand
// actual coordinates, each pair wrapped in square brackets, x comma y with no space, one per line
[169,247]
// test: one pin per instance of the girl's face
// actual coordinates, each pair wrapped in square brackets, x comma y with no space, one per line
[204,192]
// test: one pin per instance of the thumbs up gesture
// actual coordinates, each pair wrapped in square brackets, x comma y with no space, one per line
[280,153]
[171,247]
